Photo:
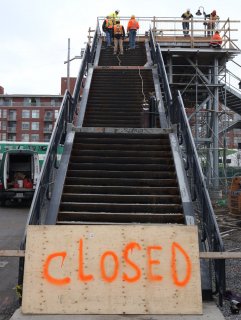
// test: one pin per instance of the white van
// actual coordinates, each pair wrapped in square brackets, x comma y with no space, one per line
[19,172]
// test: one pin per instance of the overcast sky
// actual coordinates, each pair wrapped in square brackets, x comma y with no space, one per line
[34,35]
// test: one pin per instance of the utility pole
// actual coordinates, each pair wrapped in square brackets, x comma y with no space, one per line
[68,66]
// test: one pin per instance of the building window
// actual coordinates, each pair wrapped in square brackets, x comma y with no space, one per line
[8,102]
[25,137]
[35,125]
[12,115]
[26,114]
[48,116]
[4,125]
[30,101]
[12,137]
[48,128]
[11,127]
[47,137]
[25,125]
[56,113]
[35,114]
[34,137]
[4,136]
[5,113]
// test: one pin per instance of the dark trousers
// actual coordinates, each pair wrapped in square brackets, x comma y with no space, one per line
[185,27]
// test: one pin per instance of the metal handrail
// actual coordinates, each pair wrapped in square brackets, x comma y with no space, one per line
[164,80]
[44,184]
[153,45]
[45,180]
[66,114]
[211,238]
[95,43]
[79,80]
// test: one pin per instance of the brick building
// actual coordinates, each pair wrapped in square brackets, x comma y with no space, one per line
[30,117]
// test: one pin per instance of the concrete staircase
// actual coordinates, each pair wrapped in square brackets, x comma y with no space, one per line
[116,98]
[124,175]
[136,57]
[121,178]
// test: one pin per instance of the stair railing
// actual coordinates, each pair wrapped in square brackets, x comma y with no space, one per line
[46,178]
[80,78]
[45,181]
[152,45]
[94,44]
[211,238]
[158,59]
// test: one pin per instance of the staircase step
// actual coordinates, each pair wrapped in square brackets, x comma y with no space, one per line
[120,207]
[122,153]
[120,167]
[121,182]
[121,174]
[121,146]
[110,198]
[163,159]
[131,137]
[119,190]
[103,217]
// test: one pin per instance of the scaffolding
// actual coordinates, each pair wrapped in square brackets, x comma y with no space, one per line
[200,73]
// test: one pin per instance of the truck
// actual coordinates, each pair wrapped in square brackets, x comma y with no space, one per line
[19,173]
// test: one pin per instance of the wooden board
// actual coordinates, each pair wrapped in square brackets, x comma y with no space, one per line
[112,269]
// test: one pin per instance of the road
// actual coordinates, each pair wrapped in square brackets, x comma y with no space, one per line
[12,224]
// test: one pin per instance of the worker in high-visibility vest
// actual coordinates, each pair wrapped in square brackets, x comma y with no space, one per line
[213,19]
[107,27]
[114,16]
[132,28]
[119,36]
[186,16]
[216,40]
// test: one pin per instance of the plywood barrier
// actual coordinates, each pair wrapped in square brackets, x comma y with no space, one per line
[112,269]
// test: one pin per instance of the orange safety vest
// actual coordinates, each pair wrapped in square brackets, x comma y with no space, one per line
[118,29]
[132,24]
[216,39]
[109,23]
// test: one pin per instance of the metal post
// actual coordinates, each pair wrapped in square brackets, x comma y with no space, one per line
[68,66]
[197,114]
[209,161]
[154,28]
[170,70]
[205,24]
[215,126]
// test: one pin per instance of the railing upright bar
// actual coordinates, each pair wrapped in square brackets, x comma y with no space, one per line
[80,77]
[211,232]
